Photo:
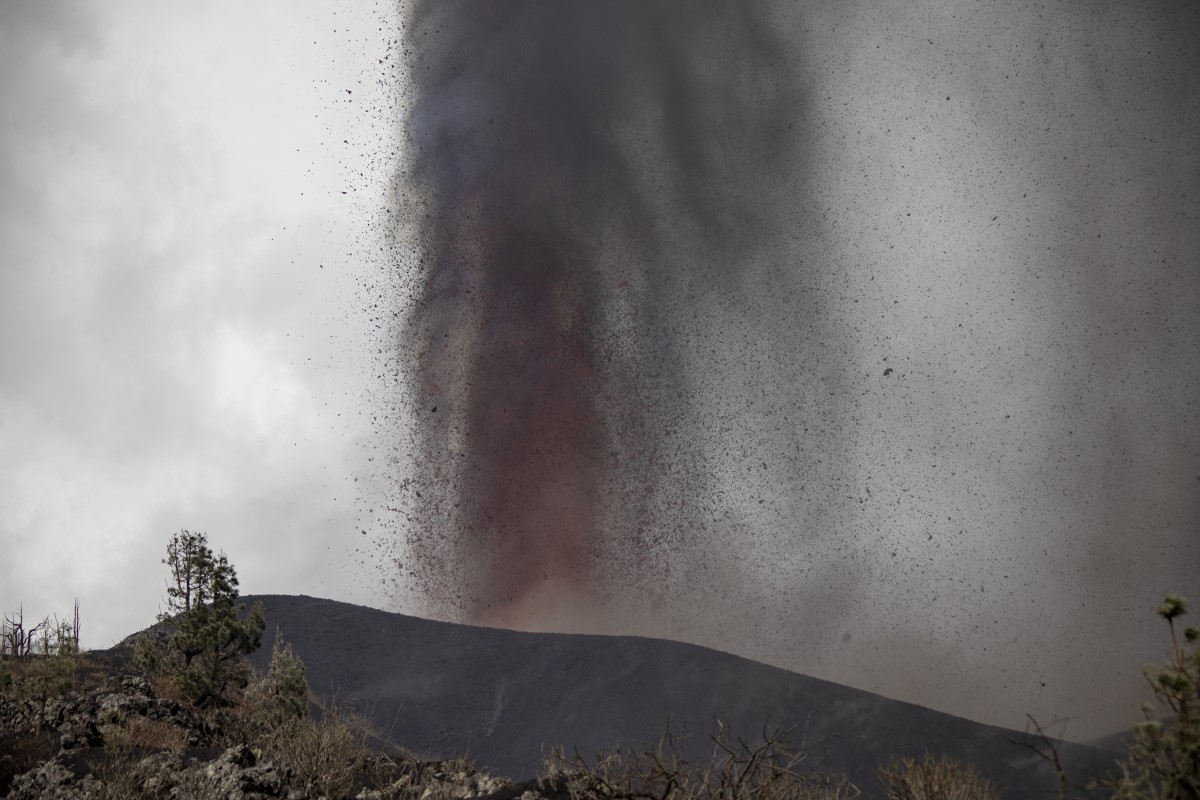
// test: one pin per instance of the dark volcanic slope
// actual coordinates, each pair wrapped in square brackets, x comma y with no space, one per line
[446,689]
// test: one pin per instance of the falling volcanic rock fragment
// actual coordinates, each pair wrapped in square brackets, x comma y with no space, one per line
[575,168]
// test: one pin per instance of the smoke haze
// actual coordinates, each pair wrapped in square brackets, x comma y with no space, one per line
[856,338]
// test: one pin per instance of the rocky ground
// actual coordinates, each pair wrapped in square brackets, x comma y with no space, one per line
[114,737]
[503,697]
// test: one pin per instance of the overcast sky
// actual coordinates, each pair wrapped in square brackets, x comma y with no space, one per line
[1001,208]
[181,339]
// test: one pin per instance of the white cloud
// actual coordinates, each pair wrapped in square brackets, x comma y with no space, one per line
[173,352]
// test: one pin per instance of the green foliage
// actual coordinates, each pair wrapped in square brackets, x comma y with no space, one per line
[274,703]
[1172,606]
[210,638]
[197,576]
[1164,760]
[40,661]
[285,682]
[37,679]
[150,655]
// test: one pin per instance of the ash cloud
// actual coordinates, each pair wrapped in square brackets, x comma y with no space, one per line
[577,170]
[855,342]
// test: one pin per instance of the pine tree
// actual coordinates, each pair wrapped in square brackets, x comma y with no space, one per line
[196,576]
[210,637]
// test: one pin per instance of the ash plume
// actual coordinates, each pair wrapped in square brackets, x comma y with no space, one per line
[811,332]
[576,171]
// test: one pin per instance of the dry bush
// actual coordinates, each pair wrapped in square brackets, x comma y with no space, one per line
[152,734]
[770,771]
[270,701]
[246,722]
[92,674]
[422,778]
[933,778]
[118,775]
[165,687]
[196,784]
[408,779]
[20,753]
[117,779]
[737,770]
[326,754]
[130,770]
[136,764]
[124,775]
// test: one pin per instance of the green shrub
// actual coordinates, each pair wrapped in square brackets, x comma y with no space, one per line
[272,703]
[285,682]
[1163,762]
[150,655]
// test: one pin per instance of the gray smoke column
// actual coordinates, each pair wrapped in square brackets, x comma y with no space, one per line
[859,339]
[576,168]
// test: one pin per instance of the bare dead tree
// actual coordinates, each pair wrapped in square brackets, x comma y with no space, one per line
[61,637]
[48,637]
[48,632]
[21,641]
[14,632]
[1048,752]
[31,637]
